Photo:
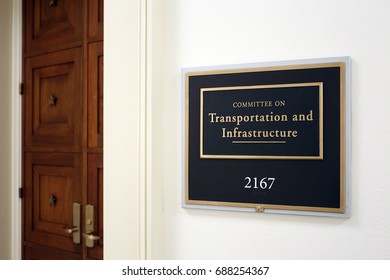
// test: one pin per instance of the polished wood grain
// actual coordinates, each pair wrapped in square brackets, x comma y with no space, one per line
[46,175]
[54,100]
[49,28]
[95,18]
[95,95]
[95,197]
[62,126]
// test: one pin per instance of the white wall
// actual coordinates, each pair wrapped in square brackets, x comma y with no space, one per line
[5,127]
[203,32]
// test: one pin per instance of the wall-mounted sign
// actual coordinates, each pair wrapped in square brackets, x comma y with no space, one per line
[269,137]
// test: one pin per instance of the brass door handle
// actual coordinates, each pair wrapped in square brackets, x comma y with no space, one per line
[90,236]
[71,230]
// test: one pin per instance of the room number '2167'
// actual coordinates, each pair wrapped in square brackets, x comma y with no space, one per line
[265,183]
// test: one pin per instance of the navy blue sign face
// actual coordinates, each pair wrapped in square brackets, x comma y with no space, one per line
[266,138]
[263,121]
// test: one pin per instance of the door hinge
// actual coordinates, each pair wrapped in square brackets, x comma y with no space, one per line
[21,88]
[20,191]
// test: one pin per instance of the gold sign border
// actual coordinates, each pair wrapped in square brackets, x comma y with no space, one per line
[320,156]
[262,207]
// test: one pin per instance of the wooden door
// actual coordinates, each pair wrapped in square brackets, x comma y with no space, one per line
[63,129]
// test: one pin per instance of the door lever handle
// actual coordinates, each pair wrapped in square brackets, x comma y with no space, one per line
[90,236]
[71,230]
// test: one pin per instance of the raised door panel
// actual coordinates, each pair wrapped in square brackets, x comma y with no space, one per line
[95,95]
[95,19]
[95,198]
[52,185]
[53,24]
[54,100]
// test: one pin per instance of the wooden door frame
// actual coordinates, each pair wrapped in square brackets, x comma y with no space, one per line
[148,28]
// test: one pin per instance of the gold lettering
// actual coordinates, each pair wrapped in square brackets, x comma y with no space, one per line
[237,133]
[252,104]
[309,117]
[303,117]
[239,120]
[212,116]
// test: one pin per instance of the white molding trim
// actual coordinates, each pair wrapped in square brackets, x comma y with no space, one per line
[150,81]
[16,231]
[142,243]
[125,130]
[154,48]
